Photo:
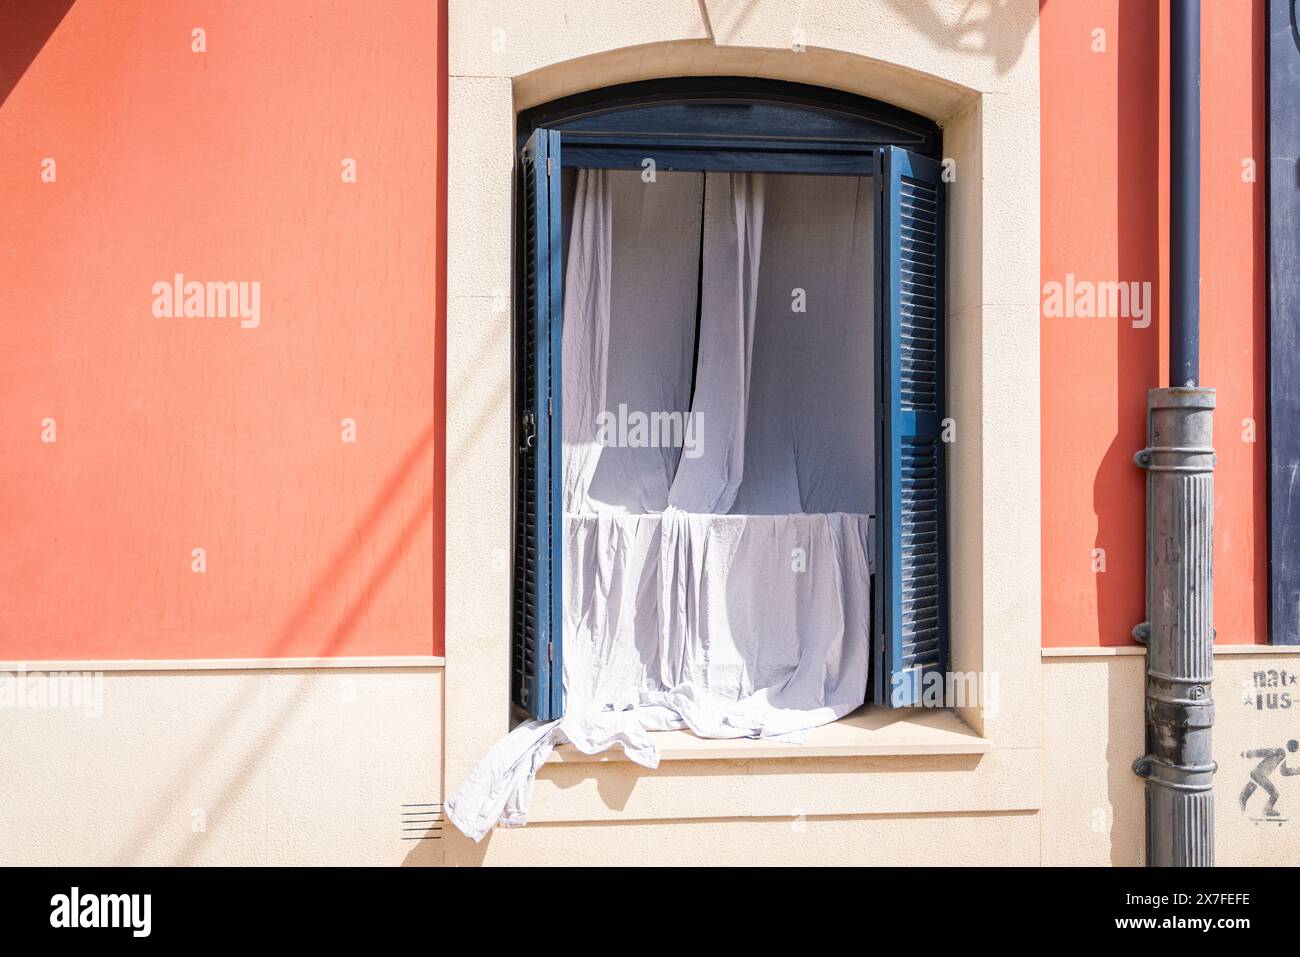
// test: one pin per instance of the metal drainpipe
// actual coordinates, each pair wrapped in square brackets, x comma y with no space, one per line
[1179,458]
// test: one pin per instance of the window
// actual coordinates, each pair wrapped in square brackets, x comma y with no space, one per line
[790,134]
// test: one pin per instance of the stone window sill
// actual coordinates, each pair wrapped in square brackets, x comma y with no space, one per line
[869,731]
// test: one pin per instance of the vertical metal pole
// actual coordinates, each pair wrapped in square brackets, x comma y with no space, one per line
[1185,192]
[1179,630]
[1179,458]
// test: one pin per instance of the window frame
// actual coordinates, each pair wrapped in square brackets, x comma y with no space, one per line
[790,129]
[811,118]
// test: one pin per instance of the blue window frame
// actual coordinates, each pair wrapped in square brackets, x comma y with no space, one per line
[912,528]
[537,663]
[737,124]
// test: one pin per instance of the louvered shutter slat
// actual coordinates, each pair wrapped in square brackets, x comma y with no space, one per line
[912,580]
[536,658]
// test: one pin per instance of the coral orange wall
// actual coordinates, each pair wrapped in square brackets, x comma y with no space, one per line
[1105,218]
[180,433]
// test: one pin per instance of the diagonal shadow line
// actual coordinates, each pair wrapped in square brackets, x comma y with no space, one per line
[347,552]
[470,371]
[704,15]
[239,780]
[28,26]
[141,836]
[976,23]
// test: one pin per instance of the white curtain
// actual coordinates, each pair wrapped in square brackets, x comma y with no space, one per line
[585,357]
[629,312]
[810,446]
[720,583]
[733,243]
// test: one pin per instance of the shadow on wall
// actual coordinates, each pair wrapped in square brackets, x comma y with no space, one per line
[1119,495]
[27,25]
[977,30]
[1125,817]
[615,782]
[338,574]
[1259,225]
[974,31]
[368,548]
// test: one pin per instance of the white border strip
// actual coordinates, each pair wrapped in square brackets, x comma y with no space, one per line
[1119,650]
[227,664]
[1084,651]
[1257,650]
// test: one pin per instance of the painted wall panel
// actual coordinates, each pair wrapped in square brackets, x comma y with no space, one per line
[133,149]
[1093,803]
[1105,179]
[252,768]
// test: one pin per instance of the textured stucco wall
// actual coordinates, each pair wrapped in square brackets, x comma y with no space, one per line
[251,767]
[1093,806]
[1105,189]
[139,141]
[314,766]
[988,840]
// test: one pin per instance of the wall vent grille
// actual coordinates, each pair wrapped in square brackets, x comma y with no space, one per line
[421,822]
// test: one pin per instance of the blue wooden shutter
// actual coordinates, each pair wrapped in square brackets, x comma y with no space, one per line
[911,580]
[537,656]
[1283,205]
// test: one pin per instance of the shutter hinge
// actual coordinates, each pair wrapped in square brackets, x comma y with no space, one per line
[528,431]
[548,166]
[550,652]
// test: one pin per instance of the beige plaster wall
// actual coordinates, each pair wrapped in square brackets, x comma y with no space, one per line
[1093,806]
[313,767]
[246,767]
[916,839]
[973,67]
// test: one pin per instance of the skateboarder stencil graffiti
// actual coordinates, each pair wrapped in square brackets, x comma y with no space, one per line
[1270,760]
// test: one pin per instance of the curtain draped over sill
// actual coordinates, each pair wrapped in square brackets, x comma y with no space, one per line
[720,581]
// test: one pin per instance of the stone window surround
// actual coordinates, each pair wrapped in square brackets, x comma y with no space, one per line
[989,115]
